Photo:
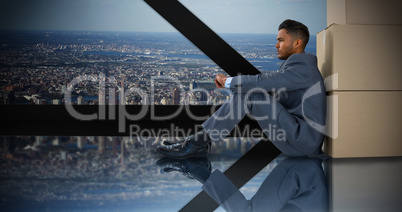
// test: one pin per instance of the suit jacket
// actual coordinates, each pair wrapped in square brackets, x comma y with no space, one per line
[302,95]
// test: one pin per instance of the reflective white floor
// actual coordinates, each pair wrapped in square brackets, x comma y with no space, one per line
[58,176]
[365,184]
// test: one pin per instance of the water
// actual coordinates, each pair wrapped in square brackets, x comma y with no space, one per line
[263,44]
[259,63]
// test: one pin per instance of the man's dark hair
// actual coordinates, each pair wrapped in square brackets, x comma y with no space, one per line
[296,29]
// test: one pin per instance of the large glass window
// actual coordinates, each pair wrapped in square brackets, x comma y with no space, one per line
[38,67]
[98,63]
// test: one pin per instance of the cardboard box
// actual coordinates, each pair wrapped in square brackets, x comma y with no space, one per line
[370,12]
[364,57]
[364,124]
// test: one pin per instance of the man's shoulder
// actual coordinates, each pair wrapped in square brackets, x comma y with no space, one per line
[302,63]
[302,57]
[301,60]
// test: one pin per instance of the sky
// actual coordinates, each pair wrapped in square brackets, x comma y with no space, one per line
[222,16]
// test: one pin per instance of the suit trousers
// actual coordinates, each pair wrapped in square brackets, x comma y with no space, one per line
[290,134]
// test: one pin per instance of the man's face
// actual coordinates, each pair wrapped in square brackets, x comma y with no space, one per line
[284,45]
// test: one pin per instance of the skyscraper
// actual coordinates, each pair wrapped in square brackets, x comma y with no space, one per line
[102,90]
[56,101]
[102,96]
[203,98]
[146,100]
[176,96]
[193,85]
[80,100]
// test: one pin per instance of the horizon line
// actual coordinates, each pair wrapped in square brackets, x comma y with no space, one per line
[112,31]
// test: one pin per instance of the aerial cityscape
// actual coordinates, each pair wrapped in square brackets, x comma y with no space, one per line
[39,67]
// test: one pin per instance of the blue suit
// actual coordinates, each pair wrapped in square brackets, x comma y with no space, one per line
[295,184]
[293,119]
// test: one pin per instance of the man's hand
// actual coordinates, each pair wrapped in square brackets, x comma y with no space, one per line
[220,80]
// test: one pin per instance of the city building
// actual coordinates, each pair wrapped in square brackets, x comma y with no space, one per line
[176,96]
[80,100]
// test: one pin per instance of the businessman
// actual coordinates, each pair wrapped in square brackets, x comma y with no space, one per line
[292,118]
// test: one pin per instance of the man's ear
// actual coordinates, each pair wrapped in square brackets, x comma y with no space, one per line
[297,44]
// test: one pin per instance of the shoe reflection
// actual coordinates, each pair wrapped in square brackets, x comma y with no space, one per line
[295,184]
[198,168]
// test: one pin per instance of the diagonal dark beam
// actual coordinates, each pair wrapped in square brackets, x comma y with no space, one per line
[239,173]
[233,64]
[203,37]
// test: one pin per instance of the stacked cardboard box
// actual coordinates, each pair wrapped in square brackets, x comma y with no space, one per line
[364,12]
[359,57]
